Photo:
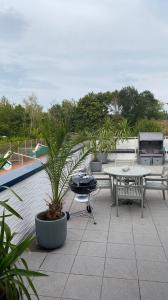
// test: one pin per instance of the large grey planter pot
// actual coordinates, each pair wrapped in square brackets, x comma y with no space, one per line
[51,234]
[95,166]
[102,156]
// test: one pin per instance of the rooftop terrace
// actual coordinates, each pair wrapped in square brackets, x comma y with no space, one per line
[124,258]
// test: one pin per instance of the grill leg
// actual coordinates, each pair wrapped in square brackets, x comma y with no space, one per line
[94,221]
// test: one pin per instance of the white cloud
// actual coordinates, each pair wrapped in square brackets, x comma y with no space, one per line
[65,49]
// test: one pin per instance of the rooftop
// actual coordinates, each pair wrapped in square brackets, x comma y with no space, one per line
[119,258]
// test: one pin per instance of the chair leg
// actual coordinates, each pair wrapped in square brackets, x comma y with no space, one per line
[111,188]
[144,195]
[114,195]
[117,207]
[142,206]
[163,194]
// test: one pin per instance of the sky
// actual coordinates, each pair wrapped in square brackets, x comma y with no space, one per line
[64,49]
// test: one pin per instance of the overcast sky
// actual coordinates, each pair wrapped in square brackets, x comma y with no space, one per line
[62,49]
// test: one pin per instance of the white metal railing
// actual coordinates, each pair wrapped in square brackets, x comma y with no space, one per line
[26,156]
[20,146]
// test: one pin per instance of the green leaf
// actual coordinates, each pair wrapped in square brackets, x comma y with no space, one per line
[2,230]
[15,253]
[22,286]
[10,209]
[22,272]
[13,192]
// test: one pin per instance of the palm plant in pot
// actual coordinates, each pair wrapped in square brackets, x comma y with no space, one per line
[106,142]
[110,133]
[15,274]
[95,163]
[51,225]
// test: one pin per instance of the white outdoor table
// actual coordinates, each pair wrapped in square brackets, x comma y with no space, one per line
[131,171]
[125,172]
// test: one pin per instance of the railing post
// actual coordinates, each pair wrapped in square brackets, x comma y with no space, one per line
[18,147]
[25,146]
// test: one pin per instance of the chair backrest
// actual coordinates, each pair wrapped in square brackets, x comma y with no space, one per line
[165,172]
[129,187]
[103,180]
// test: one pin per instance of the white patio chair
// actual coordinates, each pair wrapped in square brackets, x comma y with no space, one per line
[159,181]
[129,188]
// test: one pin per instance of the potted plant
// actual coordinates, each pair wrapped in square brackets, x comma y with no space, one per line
[109,134]
[13,268]
[95,163]
[51,225]
[106,142]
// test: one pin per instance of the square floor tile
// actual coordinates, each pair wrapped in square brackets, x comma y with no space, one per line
[70,247]
[153,290]
[153,271]
[120,237]
[120,251]
[83,287]
[87,265]
[146,239]
[153,253]
[95,236]
[77,222]
[161,220]
[101,223]
[120,289]
[92,249]
[34,259]
[53,285]
[120,268]
[141,229]
[74,234]
[58,263]
[120,227]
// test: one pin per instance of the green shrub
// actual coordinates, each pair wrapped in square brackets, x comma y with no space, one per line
[146,125]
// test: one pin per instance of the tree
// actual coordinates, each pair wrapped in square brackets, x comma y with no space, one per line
[11,119]
[135,106]
[35,113]
[91,110]
[113,107]
[64,111]
[153,107]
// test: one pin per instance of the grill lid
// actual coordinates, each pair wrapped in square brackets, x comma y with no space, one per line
[83,184]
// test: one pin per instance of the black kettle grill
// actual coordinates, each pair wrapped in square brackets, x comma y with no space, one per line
[83,184]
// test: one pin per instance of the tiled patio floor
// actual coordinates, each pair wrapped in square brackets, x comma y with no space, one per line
[124,258]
